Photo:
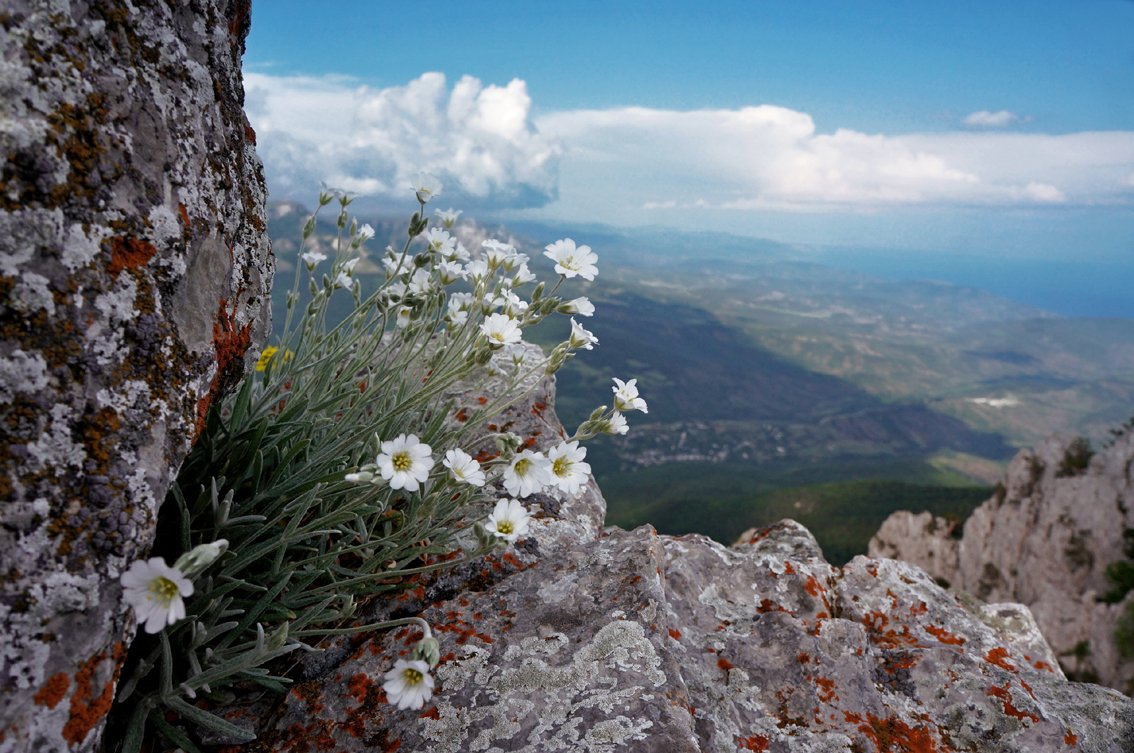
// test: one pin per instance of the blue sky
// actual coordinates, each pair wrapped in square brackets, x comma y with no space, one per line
[965,128]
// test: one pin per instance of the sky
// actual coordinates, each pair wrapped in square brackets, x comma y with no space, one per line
[972,129]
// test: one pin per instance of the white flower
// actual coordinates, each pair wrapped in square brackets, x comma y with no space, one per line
[501,329]
[449,272]
[460,301]
[426,187]
[405,462]
[626,396]
[394,291]
[312,257]
[514,306]
[517,353]
[516,259]
[509,520]
[581,306]
[463,467]
[344,279]
[440,241]
[155,589]
[568,471]
[581,338]
[617,424]
[365,233]
[496,253]
[460,253]
[403,317]
[448,217]
[528,473]
[571,261]
[522,276]
[477,269]
[408,685]
[420,284]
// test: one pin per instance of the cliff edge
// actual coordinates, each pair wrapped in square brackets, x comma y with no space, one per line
[1060,518]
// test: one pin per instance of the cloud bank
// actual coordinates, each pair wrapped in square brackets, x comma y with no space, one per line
[636,163]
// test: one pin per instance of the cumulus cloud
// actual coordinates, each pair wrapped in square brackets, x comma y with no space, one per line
[480,140]
[987,119]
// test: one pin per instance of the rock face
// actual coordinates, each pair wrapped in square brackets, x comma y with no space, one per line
[1045,541]
[133,270]
[586,639]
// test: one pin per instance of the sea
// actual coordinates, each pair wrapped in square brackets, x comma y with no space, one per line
[1068,288]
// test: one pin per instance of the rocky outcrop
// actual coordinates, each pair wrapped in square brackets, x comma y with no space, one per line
[1044,540]
[586,639]
[133,270]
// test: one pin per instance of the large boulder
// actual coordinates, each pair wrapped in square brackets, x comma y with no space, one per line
[585,639]
[1045,539]
[134,273]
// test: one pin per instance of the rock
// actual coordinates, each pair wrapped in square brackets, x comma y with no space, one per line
[586,639]
[135,272]
[1045,540]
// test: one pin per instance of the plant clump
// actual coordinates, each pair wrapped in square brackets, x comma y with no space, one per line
[336,474]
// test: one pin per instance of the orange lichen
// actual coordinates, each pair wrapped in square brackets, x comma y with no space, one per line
[999,657]
[1010,709]
[675,634]
[1070,738]
[360,686]
[53,690]
[944,635]
[892,735]
[231,343]
[827,689]
[724,663]
[755,742]
[87,709]
[129,253]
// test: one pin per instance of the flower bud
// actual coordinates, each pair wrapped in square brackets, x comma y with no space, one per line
[427,650]
[200,557]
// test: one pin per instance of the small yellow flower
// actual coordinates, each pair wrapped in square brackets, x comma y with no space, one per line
[266,356]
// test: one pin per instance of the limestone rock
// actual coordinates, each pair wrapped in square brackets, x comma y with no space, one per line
[586,639]
[1045,540]
[133,270]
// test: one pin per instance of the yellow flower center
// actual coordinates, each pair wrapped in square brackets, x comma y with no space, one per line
[412,676]
[163,589]
[522,466]
[402,461]
[504,527]
[561,466]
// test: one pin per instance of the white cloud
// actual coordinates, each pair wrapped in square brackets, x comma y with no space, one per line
[634,164]
[478,139]
[986,119]
[770,157]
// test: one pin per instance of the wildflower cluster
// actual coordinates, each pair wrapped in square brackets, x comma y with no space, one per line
[337,474]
